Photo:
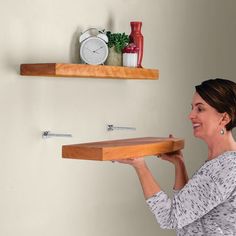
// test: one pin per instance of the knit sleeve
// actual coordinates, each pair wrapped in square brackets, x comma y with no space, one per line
[198,197]
[225,176]
[213,184]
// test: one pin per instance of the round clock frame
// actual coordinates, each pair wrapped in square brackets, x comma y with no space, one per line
[94,49]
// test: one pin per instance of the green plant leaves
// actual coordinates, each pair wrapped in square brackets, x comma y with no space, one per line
[118,40]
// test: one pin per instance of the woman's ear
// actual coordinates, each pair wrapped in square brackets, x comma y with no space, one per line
[225,119]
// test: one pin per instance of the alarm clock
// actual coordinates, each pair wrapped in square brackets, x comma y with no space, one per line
[93,47]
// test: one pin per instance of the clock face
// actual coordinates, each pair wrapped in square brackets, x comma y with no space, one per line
[94,51]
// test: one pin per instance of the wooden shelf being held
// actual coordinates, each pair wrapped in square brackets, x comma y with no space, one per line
[122,149]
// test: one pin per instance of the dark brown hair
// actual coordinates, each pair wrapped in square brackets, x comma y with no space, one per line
[220,94]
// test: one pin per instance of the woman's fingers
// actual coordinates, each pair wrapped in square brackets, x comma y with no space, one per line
[136,162]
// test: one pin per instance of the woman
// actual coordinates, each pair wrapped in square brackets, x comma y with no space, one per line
[205,204]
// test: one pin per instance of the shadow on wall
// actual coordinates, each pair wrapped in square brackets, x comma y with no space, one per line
[75,46]
[110,23]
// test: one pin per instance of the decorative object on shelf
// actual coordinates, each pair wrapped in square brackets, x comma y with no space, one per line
[114,58]
[93,48]
[130,55]
[116,43]
[136,37]
[122,149]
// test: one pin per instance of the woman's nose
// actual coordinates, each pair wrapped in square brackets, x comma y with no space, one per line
[191,115]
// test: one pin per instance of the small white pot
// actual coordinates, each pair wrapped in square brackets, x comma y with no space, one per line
[130,59]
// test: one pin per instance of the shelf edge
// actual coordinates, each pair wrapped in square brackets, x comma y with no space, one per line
[88,71]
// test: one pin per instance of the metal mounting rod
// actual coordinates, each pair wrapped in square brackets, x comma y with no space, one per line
[112,128]
[48,134]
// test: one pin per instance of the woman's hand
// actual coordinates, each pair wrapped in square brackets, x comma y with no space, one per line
[136,162]
[181,175]
[172,157]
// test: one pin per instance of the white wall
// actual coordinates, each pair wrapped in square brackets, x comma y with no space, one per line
[43,194]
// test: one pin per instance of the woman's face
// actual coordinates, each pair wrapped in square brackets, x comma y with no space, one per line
[205,119]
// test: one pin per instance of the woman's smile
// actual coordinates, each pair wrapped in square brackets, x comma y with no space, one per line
[196,125]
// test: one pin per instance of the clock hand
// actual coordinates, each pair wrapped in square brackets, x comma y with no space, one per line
[98,49]
[94,51]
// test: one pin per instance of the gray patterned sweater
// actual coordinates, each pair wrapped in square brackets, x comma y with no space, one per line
[207,203]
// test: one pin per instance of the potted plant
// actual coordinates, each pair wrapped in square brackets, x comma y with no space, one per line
[116,43]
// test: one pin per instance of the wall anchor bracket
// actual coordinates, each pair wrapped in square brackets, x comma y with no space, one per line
[48,134]
[112,128]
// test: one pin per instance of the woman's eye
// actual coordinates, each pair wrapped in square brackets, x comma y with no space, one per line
[199,109]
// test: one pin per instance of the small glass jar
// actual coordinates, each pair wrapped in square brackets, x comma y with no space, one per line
[130,59]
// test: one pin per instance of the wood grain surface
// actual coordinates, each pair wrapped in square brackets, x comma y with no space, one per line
[123,148]
[88,71]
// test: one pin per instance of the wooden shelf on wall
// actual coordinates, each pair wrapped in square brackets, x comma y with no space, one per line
[122,149]
[88,71]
